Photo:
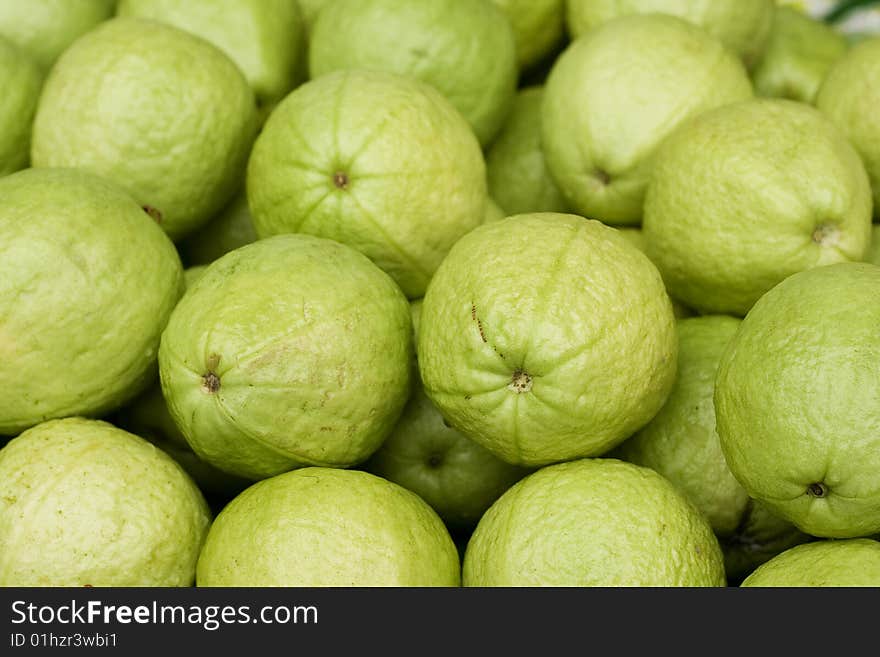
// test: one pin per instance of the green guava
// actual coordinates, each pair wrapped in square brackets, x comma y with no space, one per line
[395,173]
[834,563]
[748,194]
[84,503]
[466,49]
[680,443]
[850,95]
[744,26]
[654,72]
[328,527]
[797,400]
[798,56]
[293,350]
[593,522]
[515,166]
[546,337]
[874,251]
[158,110]
[22,80]
[45,28]
[538,28]
[87,284]
[264,37]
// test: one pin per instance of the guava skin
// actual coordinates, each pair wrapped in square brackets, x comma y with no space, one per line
[328,527]
[111,104]
[396,174]
[22,80]
[835,563]
[599,147]
[88,281]
[593,522]
[84,503]
[293,350]
[466,49]
[797,400]
[546,337]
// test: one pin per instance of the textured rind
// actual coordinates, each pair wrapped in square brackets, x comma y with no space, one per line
[835,563]
[466,49]
[797,400]
[599,146]
[87,284]
[749,185]
[593,522]
[45,28]
[328,527]
[798,56]
[22,80]
[680,441]
[744,26]
[112,104]
[515,166]
[538,28]
[850,95]
[574,305]
[312,347]
[415,174]
[263,37]
[85,503]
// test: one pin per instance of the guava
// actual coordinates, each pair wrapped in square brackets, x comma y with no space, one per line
[546,337]
[517,171]
[829,563]
[87,283]
[850,95]
[654,72]
[160,111]
[45,28]
[798,56]
[593,522]
[745,195]
[797,400]
[22,80]
[744,26]
[84,503]
[396,173]
[538,28]
[264,37]
[466,49]
[328,527]
[680,443]
[293,350]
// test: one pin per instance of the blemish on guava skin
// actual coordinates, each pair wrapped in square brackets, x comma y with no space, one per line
[154,213]
[479,323]
[817,490]
[340,179]
[520,382]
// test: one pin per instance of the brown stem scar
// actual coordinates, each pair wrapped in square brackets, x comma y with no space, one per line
[520,382]
[210,383]
[340,179]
